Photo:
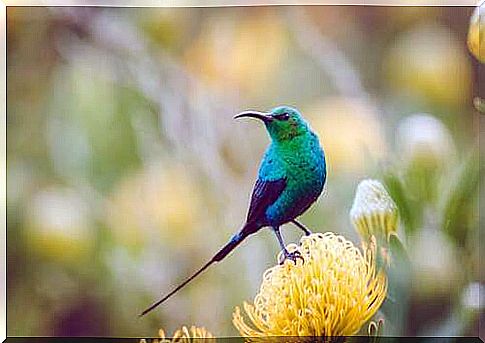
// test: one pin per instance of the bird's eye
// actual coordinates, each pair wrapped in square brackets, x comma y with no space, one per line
[282,116]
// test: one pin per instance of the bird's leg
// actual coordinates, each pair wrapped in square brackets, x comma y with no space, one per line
[302,227]
[293,256]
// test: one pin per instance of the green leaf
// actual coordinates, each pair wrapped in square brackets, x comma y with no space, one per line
[459,207]
[397,192]
[399,276]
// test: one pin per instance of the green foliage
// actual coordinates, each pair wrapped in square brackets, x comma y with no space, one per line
[459,209]
[398,270]
[407,207]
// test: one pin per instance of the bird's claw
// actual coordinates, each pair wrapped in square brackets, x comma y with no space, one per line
[293,256]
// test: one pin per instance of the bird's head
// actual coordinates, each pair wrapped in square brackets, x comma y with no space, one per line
[283,122]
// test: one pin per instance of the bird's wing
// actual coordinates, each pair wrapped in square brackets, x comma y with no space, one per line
[264,195]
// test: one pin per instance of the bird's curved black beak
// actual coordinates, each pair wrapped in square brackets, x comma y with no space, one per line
[265,117]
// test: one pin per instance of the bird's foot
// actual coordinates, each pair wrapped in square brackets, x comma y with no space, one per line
[307,232]
[292,256]
[302,227]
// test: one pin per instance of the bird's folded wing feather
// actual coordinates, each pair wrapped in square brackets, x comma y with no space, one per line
[265,193]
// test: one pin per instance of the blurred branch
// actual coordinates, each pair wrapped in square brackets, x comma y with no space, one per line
[326,54]
[187,108]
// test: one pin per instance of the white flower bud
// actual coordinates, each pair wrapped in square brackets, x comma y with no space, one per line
[424,138]
[373,213]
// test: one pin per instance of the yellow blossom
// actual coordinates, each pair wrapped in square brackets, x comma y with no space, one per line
[428,63]
[223,52]
[333,293]
[183,335]
[59,227]
[160,200]
[373,213]
[359,119]
[476,37]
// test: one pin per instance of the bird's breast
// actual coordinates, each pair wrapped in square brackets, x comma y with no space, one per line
[306,164]
[304,168]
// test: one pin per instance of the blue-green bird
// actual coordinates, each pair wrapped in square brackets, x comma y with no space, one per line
[291,177]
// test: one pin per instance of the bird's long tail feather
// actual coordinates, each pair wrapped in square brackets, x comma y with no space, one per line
[223,252]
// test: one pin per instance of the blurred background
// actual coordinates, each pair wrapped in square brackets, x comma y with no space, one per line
[126,172]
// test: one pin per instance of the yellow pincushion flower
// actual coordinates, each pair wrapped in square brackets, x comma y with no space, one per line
[184,335]
[373,213]
[195,334]
[333,293]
